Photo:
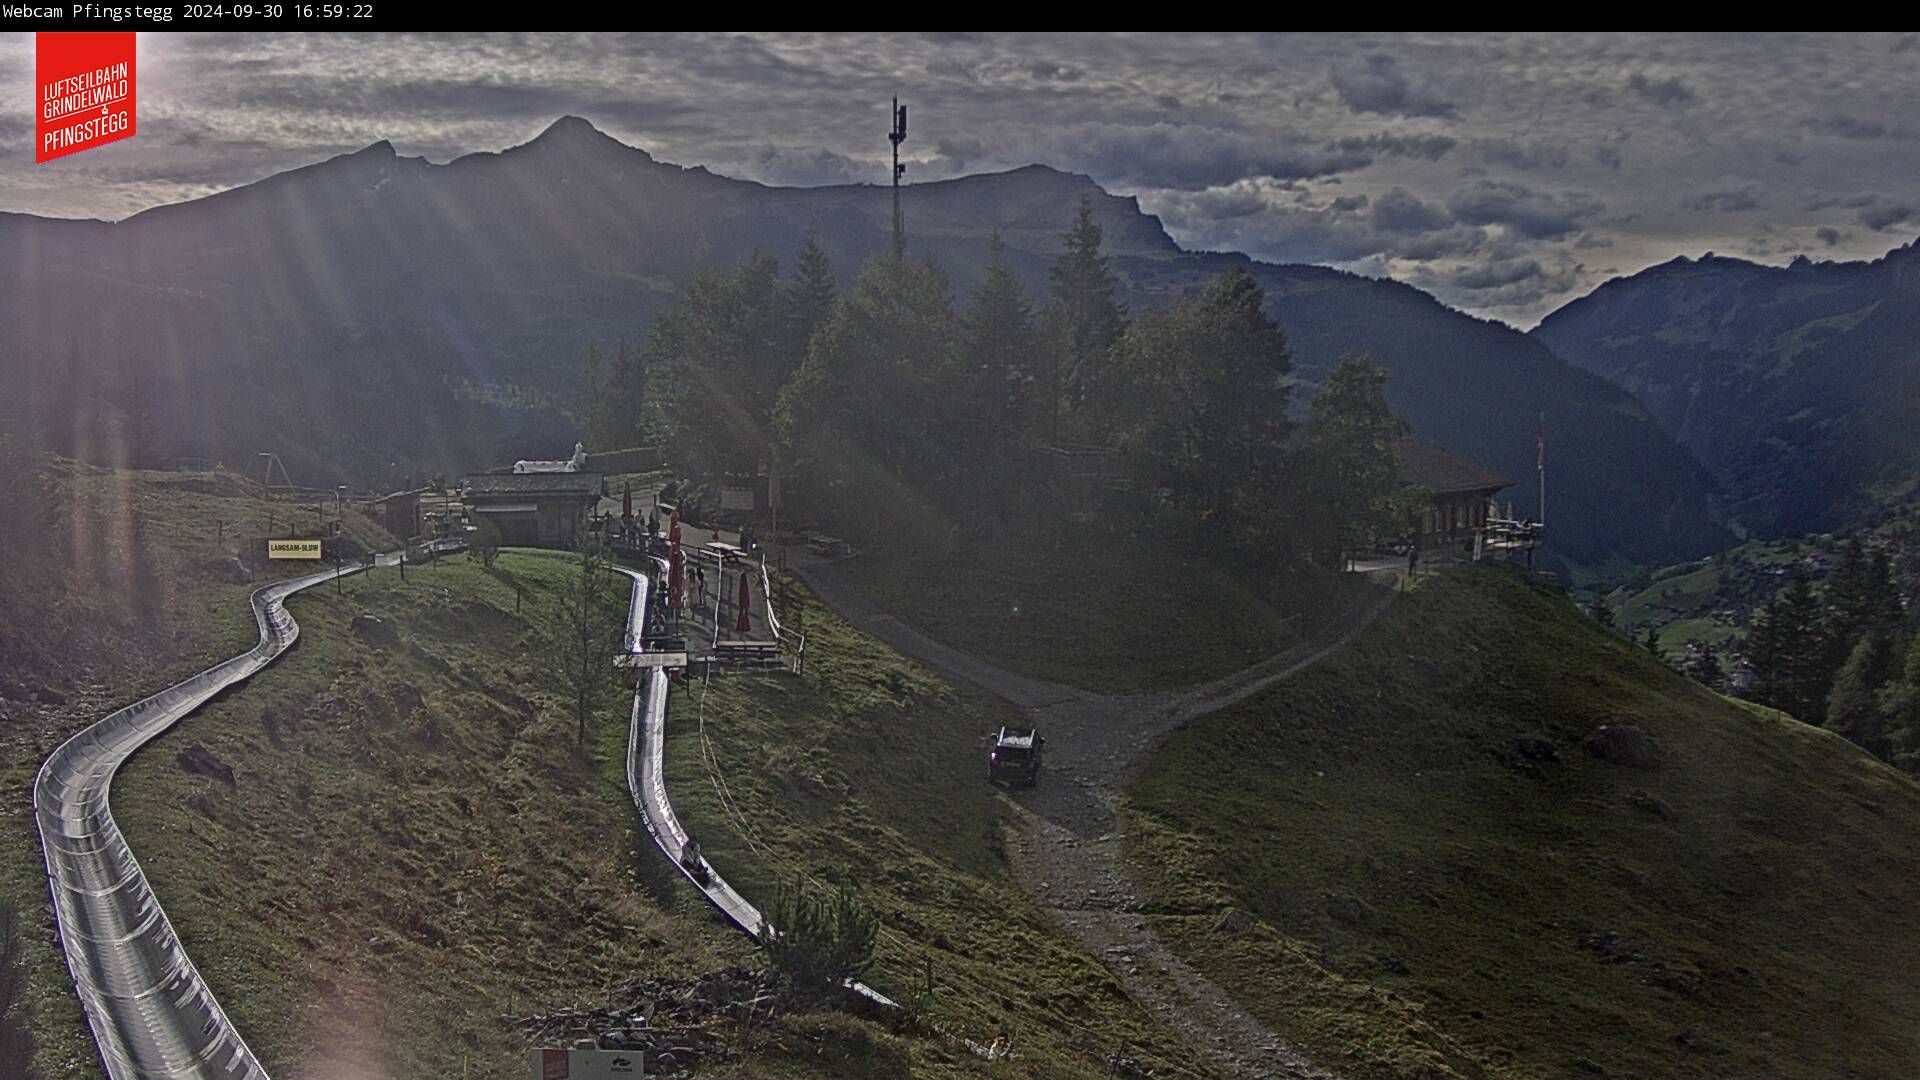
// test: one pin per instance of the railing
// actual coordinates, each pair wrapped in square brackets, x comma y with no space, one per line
[153,1016]
[780,634]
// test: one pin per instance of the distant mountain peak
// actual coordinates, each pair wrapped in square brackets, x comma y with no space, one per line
[1038,173]
[571,127]
[576,136]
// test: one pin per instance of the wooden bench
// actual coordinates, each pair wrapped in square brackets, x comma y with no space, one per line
[747,654]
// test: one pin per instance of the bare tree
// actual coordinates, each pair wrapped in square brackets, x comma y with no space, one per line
[584,622]
[486,540]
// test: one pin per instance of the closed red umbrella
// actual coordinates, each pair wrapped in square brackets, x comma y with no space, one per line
[744,624]
[676,587]
[626,505]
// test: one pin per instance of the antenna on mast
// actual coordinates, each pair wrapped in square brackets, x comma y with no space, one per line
[897,136]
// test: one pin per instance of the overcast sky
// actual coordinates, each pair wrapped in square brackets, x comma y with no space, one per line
[1505,174]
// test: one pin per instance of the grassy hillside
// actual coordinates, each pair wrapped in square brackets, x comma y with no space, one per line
[1419,815]
[412,844]
[1113,617]
[868,773]
[122,583]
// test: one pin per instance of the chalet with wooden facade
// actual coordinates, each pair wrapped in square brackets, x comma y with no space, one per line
[536,509]
[1462,493]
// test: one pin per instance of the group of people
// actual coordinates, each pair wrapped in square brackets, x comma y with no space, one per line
[696,582]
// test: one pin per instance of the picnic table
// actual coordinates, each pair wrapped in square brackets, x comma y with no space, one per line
[728,553]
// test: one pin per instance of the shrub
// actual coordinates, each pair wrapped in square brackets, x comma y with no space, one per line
[818,941]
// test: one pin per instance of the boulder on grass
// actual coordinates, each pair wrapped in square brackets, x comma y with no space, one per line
[1623,745]
[198,759]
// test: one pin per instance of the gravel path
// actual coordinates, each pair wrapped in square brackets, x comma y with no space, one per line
[1065,843]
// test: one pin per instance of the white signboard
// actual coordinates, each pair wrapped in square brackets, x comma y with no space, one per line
[587,1065]
[736,498]
[651,659]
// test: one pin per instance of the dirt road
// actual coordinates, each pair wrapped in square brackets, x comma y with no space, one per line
[1065,845]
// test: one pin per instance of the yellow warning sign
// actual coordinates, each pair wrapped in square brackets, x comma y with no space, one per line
[293,549]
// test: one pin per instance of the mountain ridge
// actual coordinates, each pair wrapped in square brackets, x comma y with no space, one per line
[1792,384]
[405,301]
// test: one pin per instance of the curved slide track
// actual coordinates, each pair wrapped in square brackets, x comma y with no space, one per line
[646,779]
[152,1015]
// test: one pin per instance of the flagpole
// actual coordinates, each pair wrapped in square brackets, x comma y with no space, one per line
[1541,467]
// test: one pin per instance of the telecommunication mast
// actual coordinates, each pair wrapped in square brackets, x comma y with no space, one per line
[897,136]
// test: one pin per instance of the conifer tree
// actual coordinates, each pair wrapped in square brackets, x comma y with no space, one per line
[1900,710]
[592,399]
[1703,667]
[998,349]
[1853,704]
[1348,459]
[1860,600]
[1786,648]
[868,422]
[807,299]
[626,394]
[1084,322]
[1600,611]
[1199,403]
[715,366]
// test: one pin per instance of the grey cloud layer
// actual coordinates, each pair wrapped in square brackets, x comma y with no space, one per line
[1481,167]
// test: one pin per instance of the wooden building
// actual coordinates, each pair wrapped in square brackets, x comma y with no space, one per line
[1462,493]
[399,513]
[538,509]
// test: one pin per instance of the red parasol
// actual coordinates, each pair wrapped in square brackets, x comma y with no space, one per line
[626,504]
[744,624]
[676,582]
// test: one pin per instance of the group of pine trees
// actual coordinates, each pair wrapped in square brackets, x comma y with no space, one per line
[1843,656]
[892,409]
[604,384]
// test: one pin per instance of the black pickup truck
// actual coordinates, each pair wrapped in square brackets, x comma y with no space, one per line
[1014,759]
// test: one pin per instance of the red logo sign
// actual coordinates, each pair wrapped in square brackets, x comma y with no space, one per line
[84,91]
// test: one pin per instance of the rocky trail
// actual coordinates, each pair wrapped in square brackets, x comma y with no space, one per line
[1065,844]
